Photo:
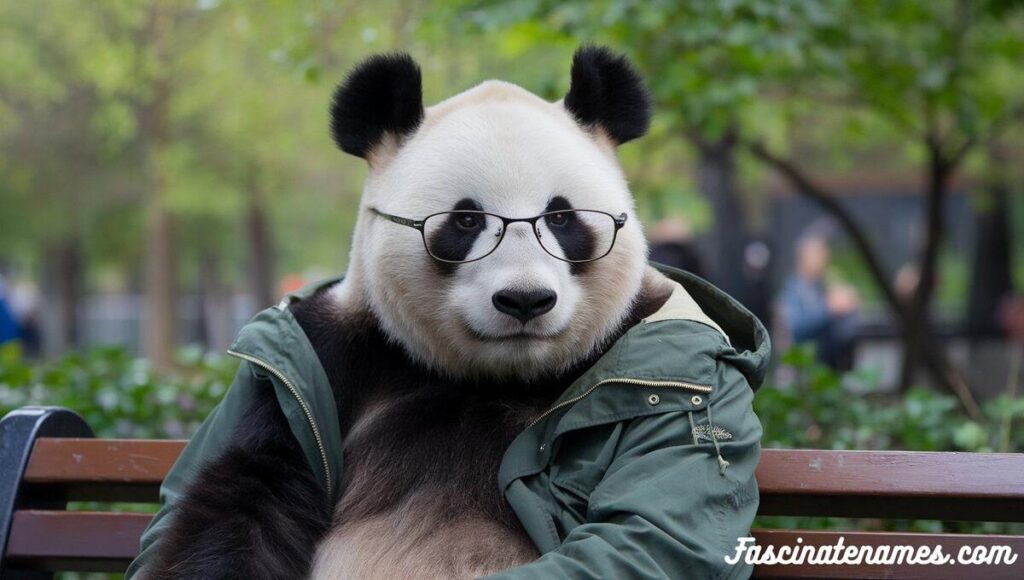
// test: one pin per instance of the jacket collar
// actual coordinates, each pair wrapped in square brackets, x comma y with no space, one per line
[750,344]
[276,347]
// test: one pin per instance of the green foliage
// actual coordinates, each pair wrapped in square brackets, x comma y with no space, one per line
[919,65]
[807,406]
[812,406]
[119,395]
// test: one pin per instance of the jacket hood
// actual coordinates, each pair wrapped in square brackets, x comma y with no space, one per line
[746,334]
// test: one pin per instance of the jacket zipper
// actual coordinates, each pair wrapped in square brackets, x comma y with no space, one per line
[302,403]
[639,382]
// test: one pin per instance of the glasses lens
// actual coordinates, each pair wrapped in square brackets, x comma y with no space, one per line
[461,236]
[576,235]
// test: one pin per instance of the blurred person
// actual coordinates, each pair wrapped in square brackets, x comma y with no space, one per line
[816,311]
[9,329]
[25,303]
[671,241]
[1011,318]
[757,284]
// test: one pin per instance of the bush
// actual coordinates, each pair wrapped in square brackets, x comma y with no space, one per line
[810,406]
[119,395]
[806,405]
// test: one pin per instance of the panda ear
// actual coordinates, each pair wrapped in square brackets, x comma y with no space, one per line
[382,96]
[607,92]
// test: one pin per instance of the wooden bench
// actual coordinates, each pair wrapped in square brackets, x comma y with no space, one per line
[48,457]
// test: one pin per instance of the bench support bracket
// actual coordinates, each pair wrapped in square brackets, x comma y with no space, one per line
[19,430]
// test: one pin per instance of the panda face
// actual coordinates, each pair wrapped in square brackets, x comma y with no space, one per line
[518,311]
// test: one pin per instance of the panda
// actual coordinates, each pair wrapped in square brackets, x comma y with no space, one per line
[496,256]
[444,356]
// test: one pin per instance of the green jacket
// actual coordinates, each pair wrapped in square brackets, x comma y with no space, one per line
[644,467]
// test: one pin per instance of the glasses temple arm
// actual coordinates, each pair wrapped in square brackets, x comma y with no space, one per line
[417,224]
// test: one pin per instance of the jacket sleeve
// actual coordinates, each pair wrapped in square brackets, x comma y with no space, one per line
[665,508]
[209,442]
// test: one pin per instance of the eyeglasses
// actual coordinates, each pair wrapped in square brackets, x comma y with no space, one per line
[460,236]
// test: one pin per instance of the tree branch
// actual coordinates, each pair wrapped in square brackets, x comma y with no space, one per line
[828,202]
[935,357]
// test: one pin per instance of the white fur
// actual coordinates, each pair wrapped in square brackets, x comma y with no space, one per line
[512,152]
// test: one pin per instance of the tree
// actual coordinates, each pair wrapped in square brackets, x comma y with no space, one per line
[934,74]
[992,272]
[168,139]
[60,76]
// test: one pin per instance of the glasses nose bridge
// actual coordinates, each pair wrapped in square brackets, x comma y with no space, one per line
[519,234]
[531,225]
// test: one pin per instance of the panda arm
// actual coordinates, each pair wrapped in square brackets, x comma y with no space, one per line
[255,511]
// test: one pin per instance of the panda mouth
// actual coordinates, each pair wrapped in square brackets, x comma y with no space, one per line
[521,335]
[516,336]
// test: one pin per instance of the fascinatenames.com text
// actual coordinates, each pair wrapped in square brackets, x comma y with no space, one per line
[841,554]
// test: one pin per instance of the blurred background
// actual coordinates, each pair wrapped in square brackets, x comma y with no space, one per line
[851,170]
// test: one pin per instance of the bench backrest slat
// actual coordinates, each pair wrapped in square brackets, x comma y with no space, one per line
[125,470]
[894,484]
[84,541]
[72,461]
[895,473]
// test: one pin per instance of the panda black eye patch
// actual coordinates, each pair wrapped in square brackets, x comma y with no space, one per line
[467,233]
[453,236]
[576,236]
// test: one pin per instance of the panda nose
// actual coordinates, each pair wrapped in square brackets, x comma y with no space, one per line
[524,305]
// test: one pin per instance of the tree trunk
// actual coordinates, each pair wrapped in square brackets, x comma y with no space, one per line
[215,304]
[160,287]
[261,253]
[63,273]
[716,180]
[991,279]
[160,283]
[918,323]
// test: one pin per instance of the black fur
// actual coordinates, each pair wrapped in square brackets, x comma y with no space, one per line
[575,238]
[607,91]
[449,241]
[258,512]
[435,432]
[382,96]
[255,512]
